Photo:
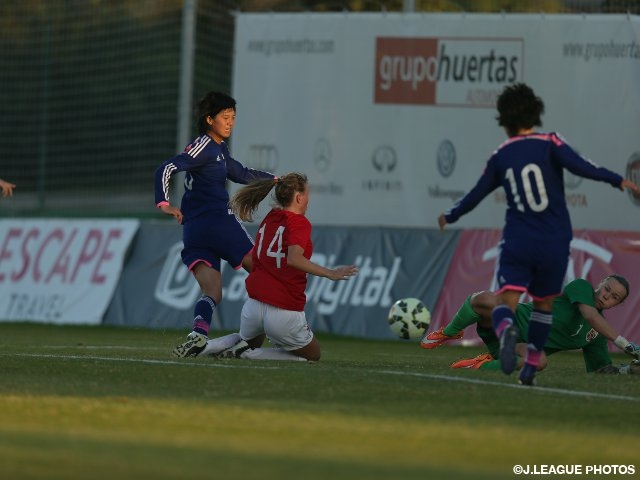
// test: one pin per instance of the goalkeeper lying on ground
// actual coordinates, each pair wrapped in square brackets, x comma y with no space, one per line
[577,323]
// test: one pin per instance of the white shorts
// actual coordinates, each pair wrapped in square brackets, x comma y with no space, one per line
[285,329]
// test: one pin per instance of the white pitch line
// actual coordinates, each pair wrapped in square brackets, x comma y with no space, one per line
[217,364]
[99,347]
[561,391]
[141,360]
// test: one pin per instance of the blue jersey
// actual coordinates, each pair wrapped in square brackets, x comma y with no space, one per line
[208,165]
[530,169]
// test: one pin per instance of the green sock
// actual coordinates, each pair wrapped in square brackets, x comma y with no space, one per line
[464,317]
[489,338]
[492,365]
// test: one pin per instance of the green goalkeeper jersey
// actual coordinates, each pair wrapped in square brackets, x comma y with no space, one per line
[570,330]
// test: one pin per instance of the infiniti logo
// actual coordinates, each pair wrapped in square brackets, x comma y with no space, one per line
[263,157]
[384,159]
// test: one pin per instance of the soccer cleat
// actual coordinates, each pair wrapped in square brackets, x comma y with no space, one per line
[437,338]
[473,363]
[192,347]
[527,375]
[508,341]
[235,351]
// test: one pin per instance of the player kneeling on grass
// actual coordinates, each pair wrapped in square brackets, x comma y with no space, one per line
[577,324]
[278,278]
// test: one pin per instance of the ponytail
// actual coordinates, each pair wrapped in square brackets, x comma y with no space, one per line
[245,201]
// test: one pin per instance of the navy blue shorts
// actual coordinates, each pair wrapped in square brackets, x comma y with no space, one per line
[534,266]
[213,237]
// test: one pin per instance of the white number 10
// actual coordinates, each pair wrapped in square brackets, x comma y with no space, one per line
[525,176]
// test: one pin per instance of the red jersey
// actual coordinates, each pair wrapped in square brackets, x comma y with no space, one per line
[271,280]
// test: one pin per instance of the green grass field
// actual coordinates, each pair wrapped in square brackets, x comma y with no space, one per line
[108,403]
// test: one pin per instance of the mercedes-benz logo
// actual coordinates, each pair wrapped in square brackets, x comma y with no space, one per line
[384,159]
[446,158]
[322,155]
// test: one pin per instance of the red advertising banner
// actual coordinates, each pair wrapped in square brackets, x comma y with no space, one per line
[594,255]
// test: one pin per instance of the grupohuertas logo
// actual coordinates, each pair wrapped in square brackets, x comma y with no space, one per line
[574,270]
[446,71]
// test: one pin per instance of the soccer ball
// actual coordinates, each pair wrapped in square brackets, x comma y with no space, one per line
[409,318]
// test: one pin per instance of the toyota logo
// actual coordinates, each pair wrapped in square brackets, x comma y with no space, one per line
[263,157]
[633,175]
[571,180]
[384,159]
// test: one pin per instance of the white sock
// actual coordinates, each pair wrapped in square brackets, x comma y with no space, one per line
[271,354]
[216,345]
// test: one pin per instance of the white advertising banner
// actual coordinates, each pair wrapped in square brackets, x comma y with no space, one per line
[392,116]
[61,270]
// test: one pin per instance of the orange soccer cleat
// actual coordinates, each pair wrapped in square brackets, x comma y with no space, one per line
[474,362]
[437,338]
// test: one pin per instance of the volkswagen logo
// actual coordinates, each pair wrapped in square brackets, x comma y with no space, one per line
[446,158]
[263,157]
[384,159]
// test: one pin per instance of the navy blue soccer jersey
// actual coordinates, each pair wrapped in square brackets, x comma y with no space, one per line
[208,165]
[530,169]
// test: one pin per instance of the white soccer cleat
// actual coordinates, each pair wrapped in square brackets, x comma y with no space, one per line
[196,342]
[234,352]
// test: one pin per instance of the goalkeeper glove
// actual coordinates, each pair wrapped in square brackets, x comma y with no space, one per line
[633,349]
[631,369]
[628,347]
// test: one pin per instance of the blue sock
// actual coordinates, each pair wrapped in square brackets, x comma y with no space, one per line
[202,313]
[539,328]
[501,318]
